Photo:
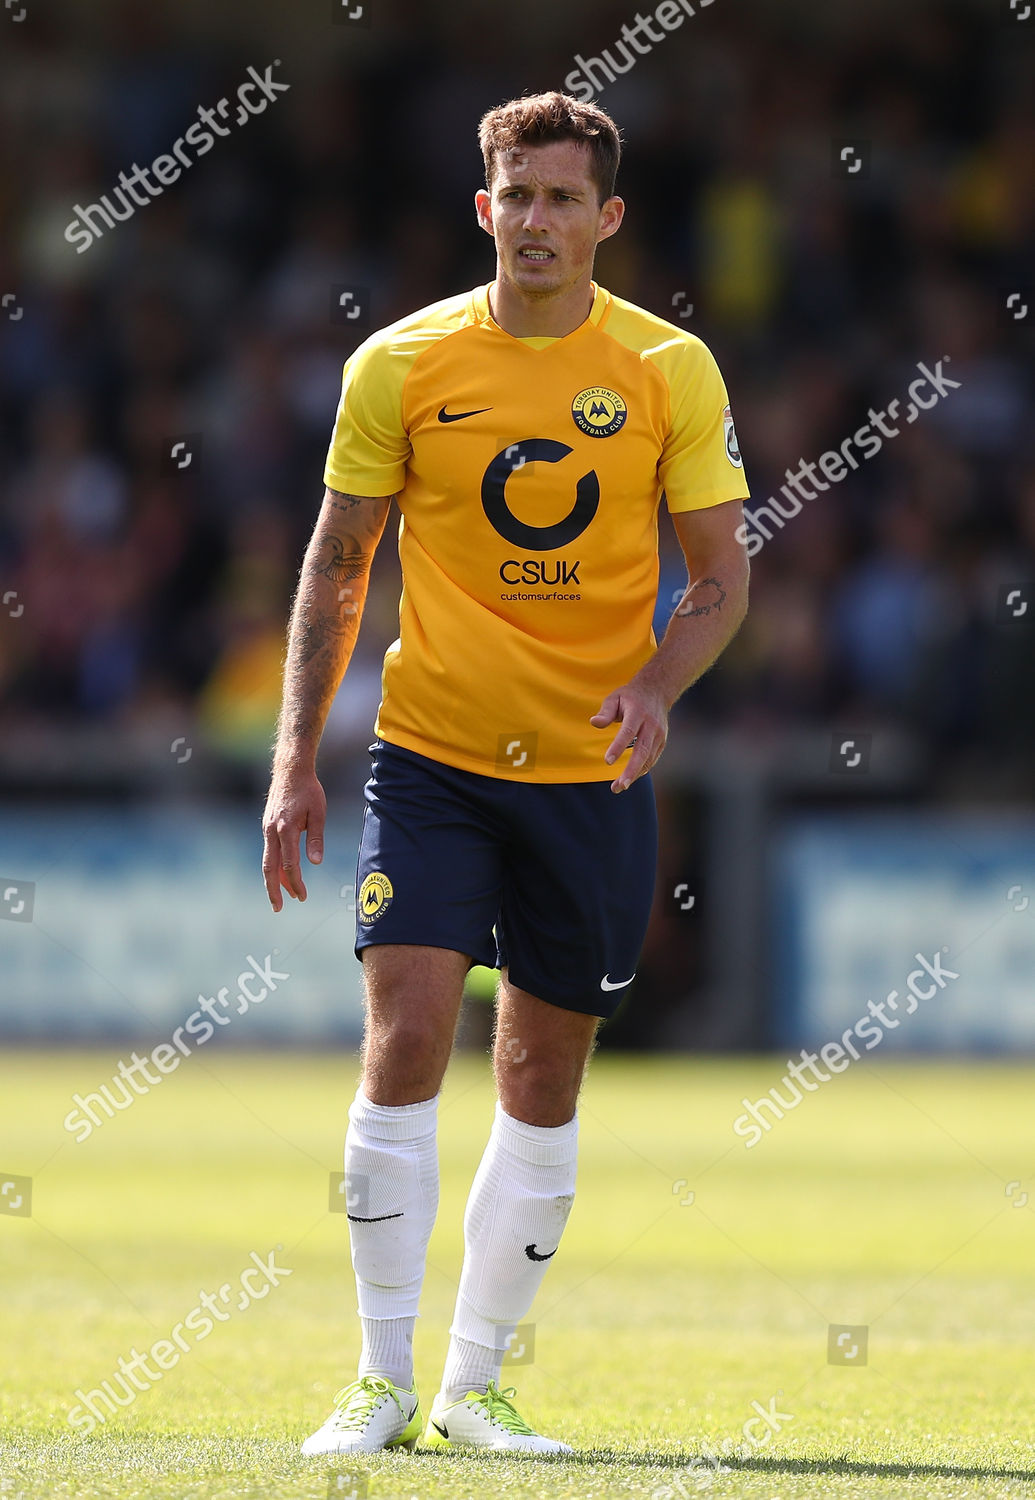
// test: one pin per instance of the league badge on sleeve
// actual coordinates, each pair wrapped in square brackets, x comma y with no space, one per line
[732,446]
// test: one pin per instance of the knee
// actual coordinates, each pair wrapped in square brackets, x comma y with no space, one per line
[408,1053]
[537,1091]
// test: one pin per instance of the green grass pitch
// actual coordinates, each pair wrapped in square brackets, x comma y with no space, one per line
[696,1284]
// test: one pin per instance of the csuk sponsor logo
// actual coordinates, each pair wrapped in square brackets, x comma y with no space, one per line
[540,570]
[517,532]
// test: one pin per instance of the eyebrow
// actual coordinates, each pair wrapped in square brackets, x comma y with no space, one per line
[553,187]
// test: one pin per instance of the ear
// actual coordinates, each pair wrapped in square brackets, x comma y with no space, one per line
[611,216]
[483,208]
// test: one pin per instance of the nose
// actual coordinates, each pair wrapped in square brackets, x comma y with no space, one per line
[536,214]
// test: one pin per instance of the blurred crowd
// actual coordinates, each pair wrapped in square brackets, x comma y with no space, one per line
[143,587]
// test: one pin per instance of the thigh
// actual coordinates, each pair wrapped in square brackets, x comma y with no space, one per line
[412,1002]
[577,892]
[539,1056]
[429,871]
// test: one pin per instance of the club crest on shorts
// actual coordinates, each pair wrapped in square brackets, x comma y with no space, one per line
[732,446]
[598,411]
[375,897]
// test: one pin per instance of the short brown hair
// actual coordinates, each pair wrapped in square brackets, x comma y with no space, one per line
[539,119]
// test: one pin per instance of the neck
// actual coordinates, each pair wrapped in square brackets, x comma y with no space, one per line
[552,316]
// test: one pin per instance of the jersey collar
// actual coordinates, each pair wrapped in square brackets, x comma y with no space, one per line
[481,314]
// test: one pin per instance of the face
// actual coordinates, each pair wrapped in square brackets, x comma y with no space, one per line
[546,218]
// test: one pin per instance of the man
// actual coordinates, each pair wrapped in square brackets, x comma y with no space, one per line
[527,430]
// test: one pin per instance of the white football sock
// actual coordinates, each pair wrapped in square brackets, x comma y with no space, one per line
[388,1349]
[519,1204]
[391,1182]
[469,1367]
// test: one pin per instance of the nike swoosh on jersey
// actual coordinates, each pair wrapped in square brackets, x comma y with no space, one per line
[458,416]
[355,1219]
[606,984]
[530,1251]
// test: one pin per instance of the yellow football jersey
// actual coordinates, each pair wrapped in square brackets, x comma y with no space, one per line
[528,474]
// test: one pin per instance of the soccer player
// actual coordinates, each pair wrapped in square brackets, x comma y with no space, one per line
[527,430]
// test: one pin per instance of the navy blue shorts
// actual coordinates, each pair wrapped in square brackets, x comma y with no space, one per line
[564,873]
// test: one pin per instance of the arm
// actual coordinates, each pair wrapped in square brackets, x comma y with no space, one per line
[325,619]
[705,621]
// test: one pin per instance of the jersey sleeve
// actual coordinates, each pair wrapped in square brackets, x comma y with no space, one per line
[700,463]
[369,446]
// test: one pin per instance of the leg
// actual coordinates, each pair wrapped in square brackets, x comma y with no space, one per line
[576,899]
[412,1003]
[428,892]
[391,1164]
[539,1056]
[525,1185]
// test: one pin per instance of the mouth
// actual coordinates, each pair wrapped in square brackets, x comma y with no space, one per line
[535,256]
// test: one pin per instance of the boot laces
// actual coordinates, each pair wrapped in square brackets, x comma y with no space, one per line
[354,1403]
[499,1409]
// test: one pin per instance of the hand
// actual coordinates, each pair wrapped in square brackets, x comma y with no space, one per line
[296,802]
[644,725]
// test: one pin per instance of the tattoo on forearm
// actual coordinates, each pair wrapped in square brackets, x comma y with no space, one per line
[315,631]
[342,565]
[341,501]
[705,596]
[344,502]
[323,633]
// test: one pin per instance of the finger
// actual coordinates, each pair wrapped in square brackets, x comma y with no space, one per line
[271,869]
[607,712]
[272,890]
[628,731]
[314,837]
[290,861]
[641,760]
[650,744]
[291,880]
